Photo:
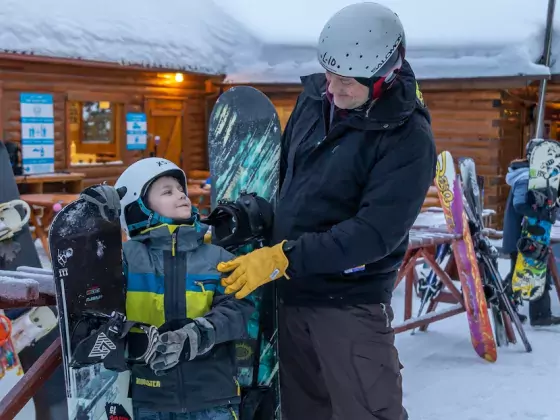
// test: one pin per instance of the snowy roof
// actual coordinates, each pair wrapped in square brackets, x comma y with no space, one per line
[467,39]
[189,35]
[274,41]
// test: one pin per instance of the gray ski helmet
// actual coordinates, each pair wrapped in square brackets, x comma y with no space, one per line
[361,41]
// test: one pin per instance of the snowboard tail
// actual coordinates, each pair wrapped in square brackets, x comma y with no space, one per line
[451,197]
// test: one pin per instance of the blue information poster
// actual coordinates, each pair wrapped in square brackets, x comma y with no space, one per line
[37,133]
[136,131]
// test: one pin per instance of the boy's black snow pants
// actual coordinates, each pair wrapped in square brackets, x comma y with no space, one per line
[538,309]
[339,363]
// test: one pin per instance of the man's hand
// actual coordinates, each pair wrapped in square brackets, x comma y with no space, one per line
[253,270]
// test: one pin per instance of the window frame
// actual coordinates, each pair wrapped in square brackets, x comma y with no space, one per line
[119,104]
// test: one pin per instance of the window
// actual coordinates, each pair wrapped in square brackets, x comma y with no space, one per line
[93,132]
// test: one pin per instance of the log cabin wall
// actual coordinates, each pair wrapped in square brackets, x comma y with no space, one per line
[477,119]
[175,110]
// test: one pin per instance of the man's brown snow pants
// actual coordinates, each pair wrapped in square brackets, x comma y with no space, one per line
[339,363]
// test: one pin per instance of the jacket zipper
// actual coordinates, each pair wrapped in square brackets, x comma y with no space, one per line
[176,306]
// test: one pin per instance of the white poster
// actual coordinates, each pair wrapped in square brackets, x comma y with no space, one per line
[37,133]
[136,131]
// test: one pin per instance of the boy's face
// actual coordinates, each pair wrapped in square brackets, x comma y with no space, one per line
[166,197]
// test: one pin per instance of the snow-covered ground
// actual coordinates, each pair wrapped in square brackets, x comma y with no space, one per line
[445,380]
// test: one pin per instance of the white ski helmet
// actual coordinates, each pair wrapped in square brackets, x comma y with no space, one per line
[137,178]
[365,41]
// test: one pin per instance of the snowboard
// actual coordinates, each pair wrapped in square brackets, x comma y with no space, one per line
[502,304]
[17,250]
[86,255]
[529,277]
[244,152]
[451,198]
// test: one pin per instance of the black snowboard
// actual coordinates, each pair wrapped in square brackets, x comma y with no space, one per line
[20,249]
[86,254]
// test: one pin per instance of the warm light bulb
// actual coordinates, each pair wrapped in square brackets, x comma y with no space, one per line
[178,77]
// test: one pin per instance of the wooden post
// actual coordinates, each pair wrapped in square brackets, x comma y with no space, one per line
[32,380]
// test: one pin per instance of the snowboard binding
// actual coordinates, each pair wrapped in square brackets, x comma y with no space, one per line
[248,220]
[532,249]
[11,221]
[543,201]
[105,341]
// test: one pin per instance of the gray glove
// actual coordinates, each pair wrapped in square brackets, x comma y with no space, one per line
[194,339]
[106,198]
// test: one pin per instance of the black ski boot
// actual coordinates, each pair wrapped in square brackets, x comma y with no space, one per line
[545,322]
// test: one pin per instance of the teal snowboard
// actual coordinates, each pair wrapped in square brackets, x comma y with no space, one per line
[244,152]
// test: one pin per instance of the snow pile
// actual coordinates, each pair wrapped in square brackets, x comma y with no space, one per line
[12,288]
[43,282]
[479,38]
[189,35]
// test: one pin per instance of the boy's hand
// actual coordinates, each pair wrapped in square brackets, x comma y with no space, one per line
[106,198]
[253,270]
[186,343]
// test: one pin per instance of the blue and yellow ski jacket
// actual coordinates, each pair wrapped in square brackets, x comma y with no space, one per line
[171,275]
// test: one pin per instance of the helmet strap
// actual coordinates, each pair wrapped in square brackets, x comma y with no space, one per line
[155,218]
[379,84]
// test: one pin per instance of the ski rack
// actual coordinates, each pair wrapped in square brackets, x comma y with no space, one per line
[422,248]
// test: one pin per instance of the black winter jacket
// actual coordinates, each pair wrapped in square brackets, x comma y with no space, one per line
[350,192]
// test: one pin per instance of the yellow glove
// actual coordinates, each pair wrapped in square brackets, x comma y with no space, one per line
[253,270]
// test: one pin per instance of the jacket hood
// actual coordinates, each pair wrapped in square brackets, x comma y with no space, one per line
[188,238]
[389,111]
[517,171]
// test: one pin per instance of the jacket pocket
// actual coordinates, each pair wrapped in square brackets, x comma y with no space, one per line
[150,390]
[199,297]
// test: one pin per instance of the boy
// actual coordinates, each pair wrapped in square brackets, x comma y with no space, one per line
[517,207]
[172,283]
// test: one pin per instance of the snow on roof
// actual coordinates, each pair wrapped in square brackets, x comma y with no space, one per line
[476,38]
[190,35]
[274,41]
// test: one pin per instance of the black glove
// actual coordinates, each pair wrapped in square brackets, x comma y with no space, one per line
[237,223]
[105,342]
[106,198]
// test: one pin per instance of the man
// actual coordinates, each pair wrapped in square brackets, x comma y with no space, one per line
[358,158]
